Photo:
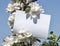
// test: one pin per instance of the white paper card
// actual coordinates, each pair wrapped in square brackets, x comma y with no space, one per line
[39,30]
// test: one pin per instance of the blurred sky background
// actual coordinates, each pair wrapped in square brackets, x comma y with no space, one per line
[51,7]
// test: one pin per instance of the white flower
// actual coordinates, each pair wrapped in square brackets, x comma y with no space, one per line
[16,39]
[22,5]
[16,6]
[21,37]
[11,19]
[22,33]
[35,8]
[6,44]
[8,41]
[27,34]
[10,8]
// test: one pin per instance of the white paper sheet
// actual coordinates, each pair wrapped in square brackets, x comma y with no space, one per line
[39,30]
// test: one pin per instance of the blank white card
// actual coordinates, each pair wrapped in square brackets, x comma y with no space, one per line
[39,30]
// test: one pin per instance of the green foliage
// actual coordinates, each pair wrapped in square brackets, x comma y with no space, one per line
[18,44]
[52,40]
[58,38]
[44,44]
[27,10]
[52,36]
[30,41]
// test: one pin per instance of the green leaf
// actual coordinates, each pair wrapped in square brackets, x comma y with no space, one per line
[45,44]
[27,10]
[58,38]
[14,44]
[52,35]
[17,0]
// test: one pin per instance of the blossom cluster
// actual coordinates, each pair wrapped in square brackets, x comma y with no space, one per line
[22,37]
[15,38]
[32,9]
